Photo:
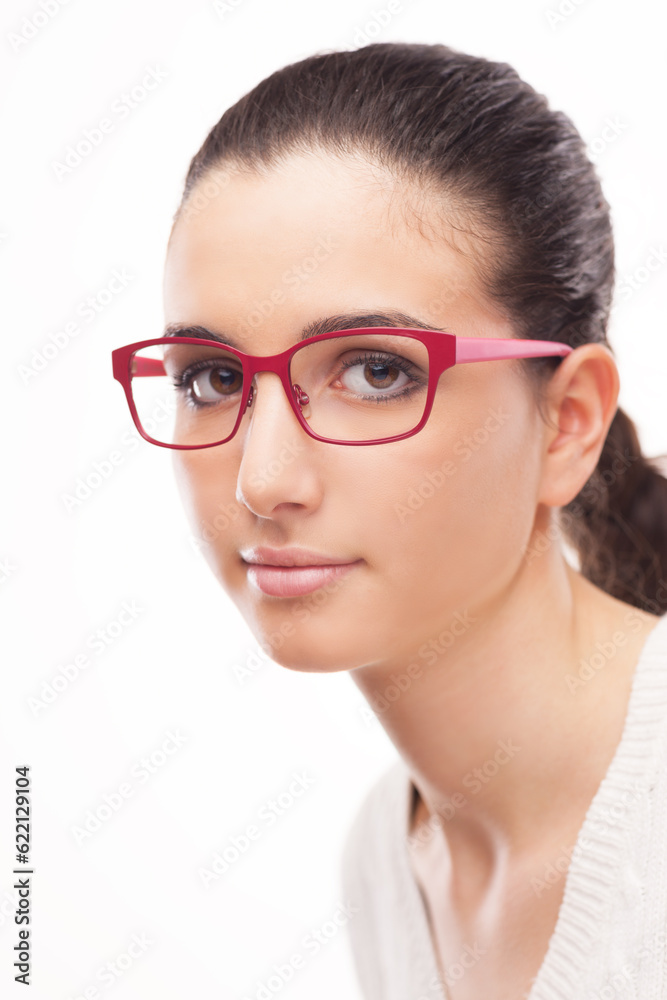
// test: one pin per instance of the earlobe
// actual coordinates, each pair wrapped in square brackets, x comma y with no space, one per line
[582,398]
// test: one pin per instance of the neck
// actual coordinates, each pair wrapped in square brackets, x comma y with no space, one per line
[509,730]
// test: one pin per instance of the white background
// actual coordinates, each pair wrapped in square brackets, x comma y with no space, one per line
[68,572]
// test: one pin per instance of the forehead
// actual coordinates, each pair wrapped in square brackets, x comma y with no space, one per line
[317,234]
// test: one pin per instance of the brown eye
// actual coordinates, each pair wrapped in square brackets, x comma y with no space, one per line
[365,376]
[381,376]
[208,386]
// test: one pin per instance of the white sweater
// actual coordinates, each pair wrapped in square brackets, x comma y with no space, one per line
[610,939]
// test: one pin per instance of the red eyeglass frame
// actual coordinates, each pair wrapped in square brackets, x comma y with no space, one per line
[444,351]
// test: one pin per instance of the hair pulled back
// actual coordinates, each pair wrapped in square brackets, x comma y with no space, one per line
[518,172]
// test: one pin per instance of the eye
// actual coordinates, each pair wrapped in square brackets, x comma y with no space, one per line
[207,381]
[379,374]
[212,383]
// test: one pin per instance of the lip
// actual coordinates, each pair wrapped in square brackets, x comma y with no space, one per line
[293,572]
[263,556]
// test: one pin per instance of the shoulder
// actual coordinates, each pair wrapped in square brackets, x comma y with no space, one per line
[371,876]
[368,844]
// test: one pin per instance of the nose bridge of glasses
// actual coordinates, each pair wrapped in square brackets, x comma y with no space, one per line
[280,379]
[268,428]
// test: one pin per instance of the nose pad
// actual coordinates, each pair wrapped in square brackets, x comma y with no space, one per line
[302,398]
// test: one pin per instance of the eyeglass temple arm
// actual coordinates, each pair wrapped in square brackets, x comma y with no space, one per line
[147,366]
[498,348]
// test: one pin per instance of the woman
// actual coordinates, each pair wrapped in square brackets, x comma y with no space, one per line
[482,545]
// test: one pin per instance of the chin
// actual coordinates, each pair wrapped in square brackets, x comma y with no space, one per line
[303,634]
[319,645]
[309,663]
[310,650]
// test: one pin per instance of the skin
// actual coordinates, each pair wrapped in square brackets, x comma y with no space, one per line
[530,621]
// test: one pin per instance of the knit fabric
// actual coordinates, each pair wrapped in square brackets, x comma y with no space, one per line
[610,938]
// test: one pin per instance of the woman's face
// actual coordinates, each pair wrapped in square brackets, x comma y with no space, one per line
[435,523]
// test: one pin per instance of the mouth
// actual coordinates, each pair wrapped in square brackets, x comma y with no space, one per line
[293,572]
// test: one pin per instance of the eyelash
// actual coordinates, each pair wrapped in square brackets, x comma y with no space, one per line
[392,361]
[181,379]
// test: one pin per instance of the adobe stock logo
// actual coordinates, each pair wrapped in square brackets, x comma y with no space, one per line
[464,449]
[93,136]
[238,844]
[31,26]
[89,309]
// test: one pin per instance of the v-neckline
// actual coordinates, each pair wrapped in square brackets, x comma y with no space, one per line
[582,905]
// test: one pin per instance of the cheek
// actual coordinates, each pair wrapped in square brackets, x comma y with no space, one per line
[207,486]
[460,508]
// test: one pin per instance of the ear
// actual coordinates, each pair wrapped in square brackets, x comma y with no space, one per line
[580,405]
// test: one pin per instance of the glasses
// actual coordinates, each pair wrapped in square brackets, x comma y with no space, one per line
[355,387]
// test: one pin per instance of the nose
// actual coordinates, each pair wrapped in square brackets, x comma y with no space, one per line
[277,468]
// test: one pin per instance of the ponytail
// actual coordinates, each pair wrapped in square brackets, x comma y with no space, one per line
[618,521]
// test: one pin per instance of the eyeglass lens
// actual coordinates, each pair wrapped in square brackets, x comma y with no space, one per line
[361,387]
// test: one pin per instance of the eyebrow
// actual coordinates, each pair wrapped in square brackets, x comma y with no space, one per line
[325,324]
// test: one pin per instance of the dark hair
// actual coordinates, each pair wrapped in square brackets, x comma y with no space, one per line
[518,173]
